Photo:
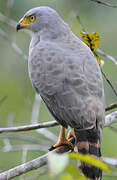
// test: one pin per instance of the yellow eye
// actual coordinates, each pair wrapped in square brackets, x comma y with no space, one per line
[32,18]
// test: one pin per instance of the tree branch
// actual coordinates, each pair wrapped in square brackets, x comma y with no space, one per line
[29,127]
[104,3]
[41,161]
[99,51]
[110,161]
[34,164]
[111,106]
[111,118]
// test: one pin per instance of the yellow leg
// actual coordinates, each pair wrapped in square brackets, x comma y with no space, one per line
[70,134]
[62,140]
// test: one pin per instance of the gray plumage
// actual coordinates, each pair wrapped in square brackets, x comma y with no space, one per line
[64,71]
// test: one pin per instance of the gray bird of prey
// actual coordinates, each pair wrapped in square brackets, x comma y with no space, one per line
[64,71]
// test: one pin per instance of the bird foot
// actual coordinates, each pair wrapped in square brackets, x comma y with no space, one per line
[70,134]
[62,142]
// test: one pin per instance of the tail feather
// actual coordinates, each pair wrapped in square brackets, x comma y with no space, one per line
[89,142]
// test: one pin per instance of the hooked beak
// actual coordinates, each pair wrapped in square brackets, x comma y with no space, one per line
[18,26]
[23,23]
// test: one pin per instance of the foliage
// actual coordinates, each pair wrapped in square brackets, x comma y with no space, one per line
[91,160]
[59,164]
[92,40]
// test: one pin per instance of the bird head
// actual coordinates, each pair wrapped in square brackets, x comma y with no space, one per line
[39,18]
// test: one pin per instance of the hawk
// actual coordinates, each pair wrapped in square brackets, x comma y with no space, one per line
[64,71]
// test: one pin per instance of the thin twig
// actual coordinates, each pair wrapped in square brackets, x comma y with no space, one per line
[29,127]
[111,106]
[99,51]
[80,23]
[110,84]
[102,53]
[34,164]
[104,3]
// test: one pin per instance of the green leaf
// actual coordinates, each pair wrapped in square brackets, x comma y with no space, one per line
[92,40]
[66,177]
[91,160]
[57,163]
[75,172]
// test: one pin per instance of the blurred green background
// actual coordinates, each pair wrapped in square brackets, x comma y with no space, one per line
[15,84]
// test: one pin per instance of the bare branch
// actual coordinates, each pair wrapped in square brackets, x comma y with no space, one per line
[99,51]
[34,164]
[111,106]
[110,84]
[111,118]
[104,3]
[29,127]
[80,23]
[110,161]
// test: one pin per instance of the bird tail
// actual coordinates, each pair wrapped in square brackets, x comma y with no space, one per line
[89,142]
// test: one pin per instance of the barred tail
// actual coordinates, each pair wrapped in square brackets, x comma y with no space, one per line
[89,142]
